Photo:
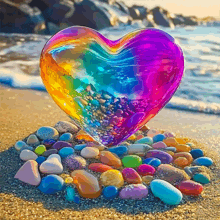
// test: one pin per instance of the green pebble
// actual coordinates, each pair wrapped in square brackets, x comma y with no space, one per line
[203,178]
[132,161]
[40,149]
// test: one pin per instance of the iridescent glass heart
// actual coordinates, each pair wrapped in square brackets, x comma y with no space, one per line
[111,88]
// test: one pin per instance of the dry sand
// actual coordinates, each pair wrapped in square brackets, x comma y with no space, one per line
[22,112]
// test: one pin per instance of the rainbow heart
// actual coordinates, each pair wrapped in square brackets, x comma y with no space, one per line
[111,88]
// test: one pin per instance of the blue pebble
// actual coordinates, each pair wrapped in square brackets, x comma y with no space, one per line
[155,162]
[70,194]
[196,153]
[145,140]
[203,161]
[40,159]
[119,151]
[110,192]
[79,146]
[66,137]
[201,178]
[51,184]
[77,199]
[95,102]
[66,151]
[158,137]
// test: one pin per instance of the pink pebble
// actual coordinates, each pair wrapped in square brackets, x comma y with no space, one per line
[152,133]
[168,134]
[145,169]
[159,145]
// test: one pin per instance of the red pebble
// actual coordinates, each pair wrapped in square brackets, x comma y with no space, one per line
[131,176]
[99,167]
[139,137]
[145,169]
[189,187]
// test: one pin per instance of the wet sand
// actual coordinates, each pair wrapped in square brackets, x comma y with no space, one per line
[22,112]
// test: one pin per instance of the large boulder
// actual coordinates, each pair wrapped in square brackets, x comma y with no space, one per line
[20,18]
[178,19]
[138,12]
[162,17]
[191,20]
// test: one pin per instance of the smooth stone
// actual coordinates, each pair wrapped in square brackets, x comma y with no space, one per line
[168,134]
[162,155]
[28,155]
[96,145]
[203,178]
[181,162]
[70,194]
[40,160]
[87,184]
[20,144]
[191,171]
[66,137]
[166,192]
[74,162]
[40,150]
[112,178]
[79,147]
[33,140]
[65,126]
[27,148]
[182,140]
[183,148]
[138,149]
[170,142]
[196,153]
[66,151]
[51,184]
[49,152]
[110,192]
[68,180]
[152,132]
[52,165]
[159,145]
[47,132]
[155,162]
[99,167]
[120,151]
[182,159]
[110,159]
[90,152]
[29,173]
[171,174]
[131,176]
[189,187]
[147,179]
[145,169]
[48,143]
[158,138]
[173,149]
[145,140]
[61,144]
[132,161]
[203,161]
[134,191]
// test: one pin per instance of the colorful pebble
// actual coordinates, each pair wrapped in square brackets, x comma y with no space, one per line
[196,153]
[162,155]
[40,160]
[40,149]
[158,137]
[203,178]
[132,161]
[110,159]
[155,162]
[99,167]
[66,137]
[145,169]
[120,151]
[131,176]
[79,147]
[159,145]
[203,161]
[110,192]
[189,187]
[48,143]
[145,140]
[66,151]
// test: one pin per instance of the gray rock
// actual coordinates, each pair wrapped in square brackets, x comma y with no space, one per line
[49,152]
[33,140]
[66,127]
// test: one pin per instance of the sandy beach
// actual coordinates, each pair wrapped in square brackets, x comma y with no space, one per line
[22,112]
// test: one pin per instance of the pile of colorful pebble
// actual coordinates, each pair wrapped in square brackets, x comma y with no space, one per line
[64,158]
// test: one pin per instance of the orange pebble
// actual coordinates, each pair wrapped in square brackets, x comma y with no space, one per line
[81,135]
[170,142]
[182,140]
[187,155]
[170,153]
[139,137]
[182,148]
[132,137]
[181,161]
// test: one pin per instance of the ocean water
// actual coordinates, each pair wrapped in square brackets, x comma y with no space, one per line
[200,87]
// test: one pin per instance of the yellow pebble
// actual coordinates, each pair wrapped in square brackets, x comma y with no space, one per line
[147,179]
[132,137]
[64,175]
[69,180]
[170,142]
[183,148]
[170,153]
[182,140]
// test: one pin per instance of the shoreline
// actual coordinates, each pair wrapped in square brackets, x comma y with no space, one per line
[24,111]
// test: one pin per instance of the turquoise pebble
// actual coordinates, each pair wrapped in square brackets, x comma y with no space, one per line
[79,146]
[196,153]
[110,192]
[166,192]
[95,102]
[66,137]
[158,137]
[203,161]
[145,140]
[40,159]
[155,162]
[201,178]
[20,144]
[70,194]
[66,151]
[119,151]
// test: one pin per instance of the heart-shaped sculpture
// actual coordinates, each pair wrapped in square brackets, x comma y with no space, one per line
[111,88]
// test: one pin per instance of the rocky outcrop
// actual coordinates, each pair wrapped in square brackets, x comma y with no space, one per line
[138,12]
